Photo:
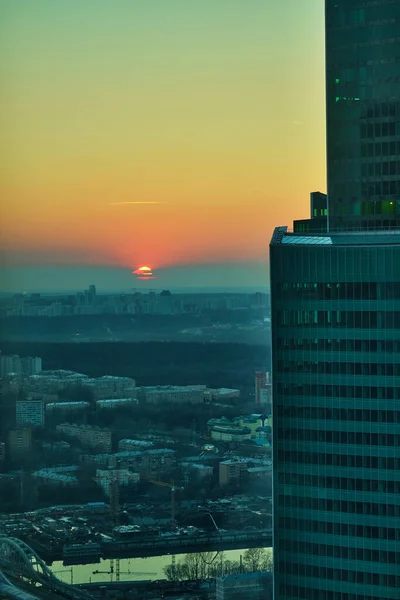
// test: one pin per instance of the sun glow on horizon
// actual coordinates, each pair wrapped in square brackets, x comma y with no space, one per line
[161,149]
[143,273]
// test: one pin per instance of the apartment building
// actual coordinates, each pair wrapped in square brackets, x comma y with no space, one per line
[29,412]
[89,436]
[232,471]
[106,478]
[173,394]
[19,442]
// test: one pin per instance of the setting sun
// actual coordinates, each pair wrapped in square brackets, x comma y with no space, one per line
[144,273]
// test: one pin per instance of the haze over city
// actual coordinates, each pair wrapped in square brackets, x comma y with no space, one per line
[157,134]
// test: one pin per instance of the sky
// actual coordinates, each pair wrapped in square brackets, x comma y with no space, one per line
[175,134]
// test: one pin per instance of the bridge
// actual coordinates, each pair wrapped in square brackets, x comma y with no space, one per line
[176,544]
[9,590]
[22,564]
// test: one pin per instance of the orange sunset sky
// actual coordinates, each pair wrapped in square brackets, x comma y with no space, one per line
[170,133]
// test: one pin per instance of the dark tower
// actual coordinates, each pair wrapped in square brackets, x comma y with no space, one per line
[335,313]
[363,113]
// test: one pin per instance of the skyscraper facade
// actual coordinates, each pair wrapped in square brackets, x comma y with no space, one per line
[336,411]
[363,112]
[335,312]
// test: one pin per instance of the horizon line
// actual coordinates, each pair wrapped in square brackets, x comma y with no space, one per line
[133,202]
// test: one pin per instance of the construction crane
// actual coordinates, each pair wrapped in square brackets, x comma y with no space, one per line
[173,489]
[115,512]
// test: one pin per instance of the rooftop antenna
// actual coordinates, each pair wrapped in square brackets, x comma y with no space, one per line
[327,214]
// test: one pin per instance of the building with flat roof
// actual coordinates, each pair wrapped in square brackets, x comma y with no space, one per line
[88,435]
[57,476]
[127,445]
[115,403]
[220,394]
[29,412]
[148,463]
[173,394]
[257,586]
[19,365]
[67,407]
[336,392]
[232,471]
[19,442]
[107,478]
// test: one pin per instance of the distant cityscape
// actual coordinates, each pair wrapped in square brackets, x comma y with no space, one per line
[89,302]
[64,433]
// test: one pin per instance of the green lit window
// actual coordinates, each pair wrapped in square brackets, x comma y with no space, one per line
[357,16]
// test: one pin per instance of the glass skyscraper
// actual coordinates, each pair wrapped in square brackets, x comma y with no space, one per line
[363,112]
[335,307]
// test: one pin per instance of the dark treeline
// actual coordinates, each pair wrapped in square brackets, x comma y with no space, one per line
[154,363]
[89,323]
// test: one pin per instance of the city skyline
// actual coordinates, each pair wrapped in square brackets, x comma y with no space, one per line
[157,137]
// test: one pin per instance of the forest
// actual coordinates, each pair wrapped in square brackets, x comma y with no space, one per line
[154,363]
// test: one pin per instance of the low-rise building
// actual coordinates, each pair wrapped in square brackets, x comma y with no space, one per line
[220,394]
[56,446]
[173,394]
[58,476]
[67,407]
[97,459]
[128,445]
[232,471]
[103,388]
[264,436]
[52,382]
[110,387]
[259,472]
[88,435]
[257,586]
[253,422]
[148,463]
[114,403]
[230,433]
